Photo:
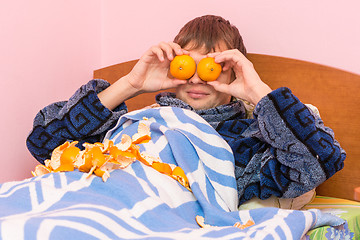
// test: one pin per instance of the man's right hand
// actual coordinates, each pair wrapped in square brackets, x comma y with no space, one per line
[150,74]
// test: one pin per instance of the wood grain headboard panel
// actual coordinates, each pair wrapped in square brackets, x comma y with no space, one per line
[334,92]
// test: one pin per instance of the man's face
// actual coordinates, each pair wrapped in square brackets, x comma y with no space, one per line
[196,92]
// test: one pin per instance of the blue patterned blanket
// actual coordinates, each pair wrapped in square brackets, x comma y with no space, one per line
[139,202]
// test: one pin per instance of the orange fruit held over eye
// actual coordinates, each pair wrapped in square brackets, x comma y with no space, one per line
[208,69]
[182,67]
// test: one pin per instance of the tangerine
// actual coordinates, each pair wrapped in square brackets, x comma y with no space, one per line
[208,69]
[182,67]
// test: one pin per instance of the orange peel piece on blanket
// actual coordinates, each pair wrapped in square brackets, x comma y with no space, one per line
[55,161]
[102,173]
[101,158]
[98,158]
[146,158]
[201,222]
[84,163]
[107,145]
[173,171]
[179,175]
[40,170]
[243,226]
[162,167]
[143,134]
[67,159]
[125,143]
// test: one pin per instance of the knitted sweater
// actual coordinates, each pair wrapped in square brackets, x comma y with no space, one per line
[284,151]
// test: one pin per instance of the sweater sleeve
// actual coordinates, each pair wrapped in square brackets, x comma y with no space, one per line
[285,151]
[304,152]
[82,118]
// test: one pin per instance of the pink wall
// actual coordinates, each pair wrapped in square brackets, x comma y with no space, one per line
[322,31]
[49,48]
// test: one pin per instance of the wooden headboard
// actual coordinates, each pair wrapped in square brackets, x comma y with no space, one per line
[334,92]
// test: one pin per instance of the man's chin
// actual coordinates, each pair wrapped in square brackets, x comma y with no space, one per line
[200,105]
[196,103]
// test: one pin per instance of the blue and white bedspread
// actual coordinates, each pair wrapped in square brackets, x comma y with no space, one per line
[139,202]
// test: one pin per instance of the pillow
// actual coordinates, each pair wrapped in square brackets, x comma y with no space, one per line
[284,203]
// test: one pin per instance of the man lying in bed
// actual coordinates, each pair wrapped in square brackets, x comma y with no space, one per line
[285,151]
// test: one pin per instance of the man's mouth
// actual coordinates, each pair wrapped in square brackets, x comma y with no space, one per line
[197,94]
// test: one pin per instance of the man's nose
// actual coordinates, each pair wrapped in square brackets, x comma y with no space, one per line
[196,80]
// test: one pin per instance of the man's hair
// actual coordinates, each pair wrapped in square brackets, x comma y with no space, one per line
[208,31]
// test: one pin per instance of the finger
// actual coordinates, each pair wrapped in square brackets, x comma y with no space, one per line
[233,55]
[169,51]
[178,82]
[230,57]
[227,65]
[220,87]
[231,61]
[213,54]
[155,50]
[177,49]
[173,83]
[227,58]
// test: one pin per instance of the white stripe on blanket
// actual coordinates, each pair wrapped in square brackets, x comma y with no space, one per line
[139,202]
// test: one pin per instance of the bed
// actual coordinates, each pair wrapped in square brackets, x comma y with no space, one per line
[139,203]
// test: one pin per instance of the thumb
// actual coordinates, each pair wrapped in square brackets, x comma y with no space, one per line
[173,83]
[220,87]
